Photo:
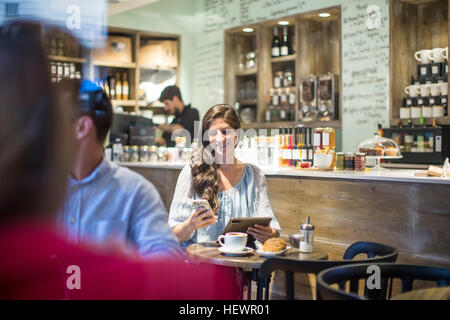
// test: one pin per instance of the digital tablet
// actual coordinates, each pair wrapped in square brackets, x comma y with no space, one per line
[242,224]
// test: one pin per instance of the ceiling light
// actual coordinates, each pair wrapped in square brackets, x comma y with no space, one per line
[283,23]
[324,15]
[247,29]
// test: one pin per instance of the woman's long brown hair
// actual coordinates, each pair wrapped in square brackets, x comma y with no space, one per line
[205,174]
[33,128]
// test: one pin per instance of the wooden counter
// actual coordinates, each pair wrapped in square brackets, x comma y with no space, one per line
[392,207]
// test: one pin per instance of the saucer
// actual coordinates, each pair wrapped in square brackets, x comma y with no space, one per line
[271,254]
[235,253]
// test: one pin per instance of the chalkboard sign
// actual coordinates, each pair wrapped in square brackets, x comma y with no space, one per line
[365,70]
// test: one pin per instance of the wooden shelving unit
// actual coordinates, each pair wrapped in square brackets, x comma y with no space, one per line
[239,74]
[66,59]
[414,25]
[291,57]
[316,44]
[277,124]
[96,69]
[118,65]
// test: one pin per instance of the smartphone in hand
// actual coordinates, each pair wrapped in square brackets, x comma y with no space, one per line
[201,203]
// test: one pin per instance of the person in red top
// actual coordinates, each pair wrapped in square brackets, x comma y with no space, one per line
[36,263]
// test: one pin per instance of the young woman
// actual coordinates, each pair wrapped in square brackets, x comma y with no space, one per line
[232,188]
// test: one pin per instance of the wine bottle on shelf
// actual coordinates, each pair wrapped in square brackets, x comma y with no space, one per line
[106,86]
[118,87]
[285,151]
[284,47]
[296,151]
[283,107]
[125,87]
[112,88]
[280,147]
[309,144]
[290,148]
[275,43]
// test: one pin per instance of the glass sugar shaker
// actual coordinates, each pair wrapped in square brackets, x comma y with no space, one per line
[306,237]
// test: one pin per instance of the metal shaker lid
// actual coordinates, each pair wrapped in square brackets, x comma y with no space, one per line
[307,225]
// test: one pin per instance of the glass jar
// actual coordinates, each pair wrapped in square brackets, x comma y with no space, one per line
[134,154]
[153,154]
[162,154]
[126,153]
[340,160]
[278,79]
[171,154]
[288,79]
[349,161]
[144,155]
[328,138]
[251,60]
[360,161]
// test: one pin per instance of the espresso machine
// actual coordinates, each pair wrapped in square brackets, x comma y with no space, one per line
[328,97]
[308,98]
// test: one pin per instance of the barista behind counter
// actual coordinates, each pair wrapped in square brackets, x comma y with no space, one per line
[185,116]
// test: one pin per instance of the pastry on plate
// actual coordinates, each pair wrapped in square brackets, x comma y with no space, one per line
[274,245]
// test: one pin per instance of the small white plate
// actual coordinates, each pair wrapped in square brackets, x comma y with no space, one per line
[271,254]
[229,252]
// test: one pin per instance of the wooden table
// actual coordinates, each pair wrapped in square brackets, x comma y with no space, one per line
[208,252]
[438,293]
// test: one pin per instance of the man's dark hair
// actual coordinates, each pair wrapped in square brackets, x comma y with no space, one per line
[97,105]
[169,92]
[90,101]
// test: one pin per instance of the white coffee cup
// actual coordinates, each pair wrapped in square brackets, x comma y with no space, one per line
[412,90]
[438,54]
[444,88]
[424,90]
[435,89]
[233,241]
[423,56]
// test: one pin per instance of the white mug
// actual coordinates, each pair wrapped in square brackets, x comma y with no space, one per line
[438,54]
[423,56]
[233,241]
[424,90]
[444,88]
[435,89]
[412,90]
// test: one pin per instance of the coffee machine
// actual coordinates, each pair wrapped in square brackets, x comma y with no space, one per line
[308,98]
[328,97]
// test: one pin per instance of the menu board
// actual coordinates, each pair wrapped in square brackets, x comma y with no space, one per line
[365,69]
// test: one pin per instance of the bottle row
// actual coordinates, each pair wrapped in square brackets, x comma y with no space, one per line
[281,47]
[55,46]
[293,147]
[116,86]
[60,71]
[282,105]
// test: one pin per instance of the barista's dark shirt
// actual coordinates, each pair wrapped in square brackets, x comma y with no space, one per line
[186,119]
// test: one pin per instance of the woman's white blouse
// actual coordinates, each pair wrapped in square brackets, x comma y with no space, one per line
[248,198]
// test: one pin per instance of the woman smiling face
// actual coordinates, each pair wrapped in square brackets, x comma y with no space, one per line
[222,138]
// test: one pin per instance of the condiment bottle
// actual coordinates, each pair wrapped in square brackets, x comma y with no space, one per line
[306,237]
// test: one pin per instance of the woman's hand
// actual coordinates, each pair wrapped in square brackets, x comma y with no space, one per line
[262,233]
[201,218]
